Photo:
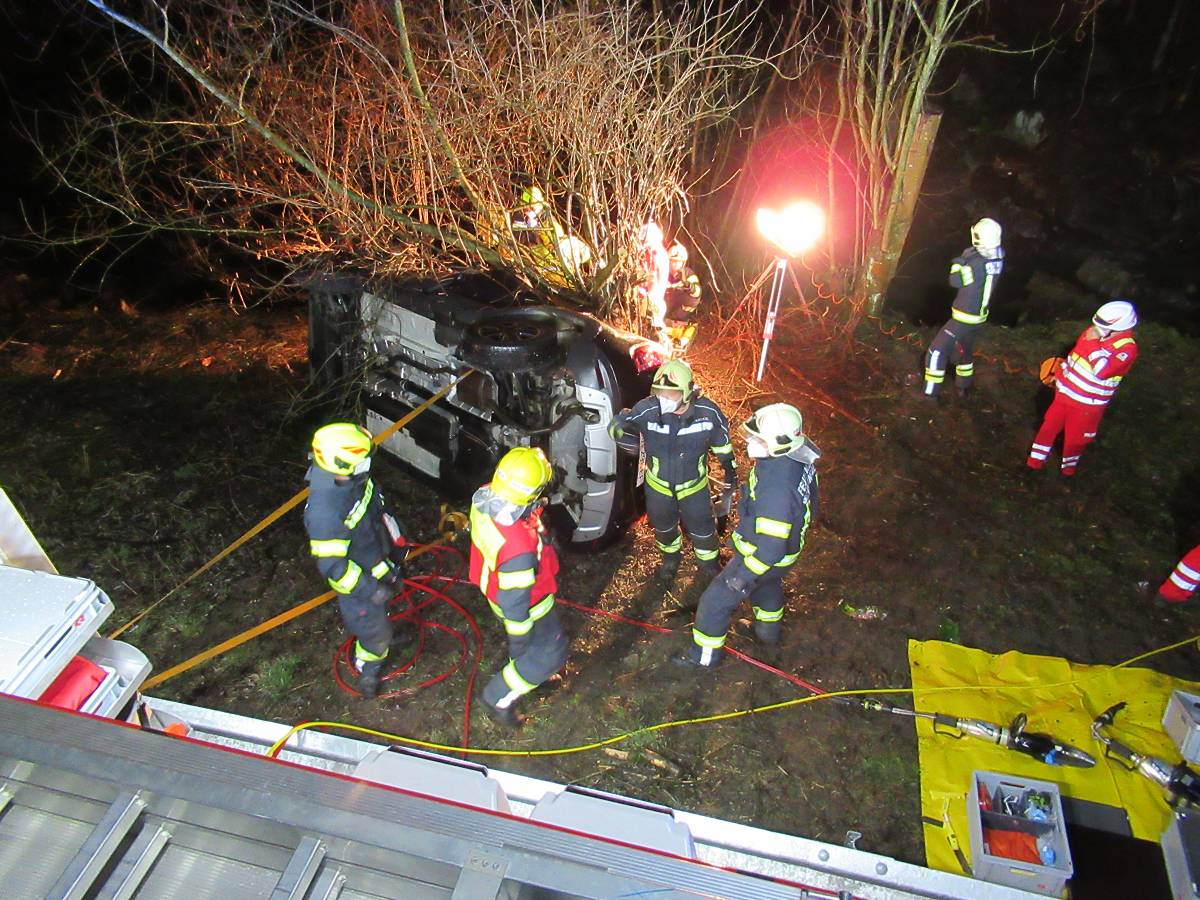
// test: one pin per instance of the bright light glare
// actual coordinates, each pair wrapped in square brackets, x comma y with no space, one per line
[793,229]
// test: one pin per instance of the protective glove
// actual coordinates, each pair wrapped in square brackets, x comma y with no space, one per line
[394,579]
[382,594]
[739,583]
[724,506]
[518,644]
[615,431]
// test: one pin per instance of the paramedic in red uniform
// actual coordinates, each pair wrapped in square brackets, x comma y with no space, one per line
[1183,580]
[1084,384]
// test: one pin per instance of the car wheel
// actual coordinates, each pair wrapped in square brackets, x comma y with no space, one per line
[518,340]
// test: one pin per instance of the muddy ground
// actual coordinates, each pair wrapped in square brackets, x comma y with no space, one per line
[139,443]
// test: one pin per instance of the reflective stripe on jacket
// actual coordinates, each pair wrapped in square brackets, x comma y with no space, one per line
[975,276]
[677,446]
[346,532]
[778,503]
[512,566]
[1093,371]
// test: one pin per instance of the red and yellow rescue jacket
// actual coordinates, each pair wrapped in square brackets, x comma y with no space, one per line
[510,563]
[1093,371]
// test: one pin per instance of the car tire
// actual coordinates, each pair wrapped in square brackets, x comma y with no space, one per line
[517,340]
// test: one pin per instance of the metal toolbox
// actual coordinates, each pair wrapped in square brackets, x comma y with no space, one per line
[1008,797]
[45,620]
[1182,722]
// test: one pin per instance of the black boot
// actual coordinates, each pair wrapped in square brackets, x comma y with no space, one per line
[668,568]
[506,717]
[709,568]
[368,679]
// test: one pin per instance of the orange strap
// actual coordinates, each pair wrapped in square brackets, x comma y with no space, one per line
[288,505]
[263,627]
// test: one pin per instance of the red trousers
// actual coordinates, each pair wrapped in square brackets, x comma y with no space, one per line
[1182,582]
[1078,423]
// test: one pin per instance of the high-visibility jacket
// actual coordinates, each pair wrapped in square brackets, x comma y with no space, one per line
[975,276]
[778,502]
[677,446]
[1093,371]
[512,565]
[347,534]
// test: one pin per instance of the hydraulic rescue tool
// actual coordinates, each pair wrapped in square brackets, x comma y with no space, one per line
[1179,781]
[1041,747]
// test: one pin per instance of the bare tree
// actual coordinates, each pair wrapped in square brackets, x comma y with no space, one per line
[401,142]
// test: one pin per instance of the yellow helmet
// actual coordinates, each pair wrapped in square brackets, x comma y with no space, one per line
[533,196]
[343,448]
[521,475]
[674,375]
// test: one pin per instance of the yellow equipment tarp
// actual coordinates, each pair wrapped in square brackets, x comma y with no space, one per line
[1060,698]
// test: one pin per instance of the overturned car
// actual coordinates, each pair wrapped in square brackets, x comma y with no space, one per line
[535,375]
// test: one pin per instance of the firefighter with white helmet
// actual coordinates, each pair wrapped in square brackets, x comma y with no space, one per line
[682,298]
[778,503]
[974,273]
[359,546]
[516,569]
[679,428]
[1084,384]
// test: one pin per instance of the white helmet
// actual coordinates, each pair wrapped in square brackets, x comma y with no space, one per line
[985,235]
[651,234]
[780,426]
[1116,315]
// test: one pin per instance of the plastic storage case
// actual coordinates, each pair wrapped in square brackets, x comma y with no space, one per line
[126,667]
[1041,879]
[45,621]
[1182,722]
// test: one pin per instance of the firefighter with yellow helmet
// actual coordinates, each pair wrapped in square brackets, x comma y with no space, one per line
[679,428]
[516,568]
[778,503]
[358,544]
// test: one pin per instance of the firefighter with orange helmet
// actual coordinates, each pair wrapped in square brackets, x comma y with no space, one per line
[516,568]
[358,545]
[1084,384]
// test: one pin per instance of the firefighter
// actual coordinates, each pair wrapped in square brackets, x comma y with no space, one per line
[682,298]
[974,274]
[678,428]
[1085,383]
[1183,580]
[516,568]
[778,503]
[655,266]
[358,544]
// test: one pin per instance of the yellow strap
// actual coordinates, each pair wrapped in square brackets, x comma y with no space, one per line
[261,628]
[294,501]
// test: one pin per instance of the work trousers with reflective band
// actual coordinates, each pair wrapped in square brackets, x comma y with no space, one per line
[533,658]
[1078,424]
[696,515]
[955,343]
[370,626]
[719,601]
[1184,580]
